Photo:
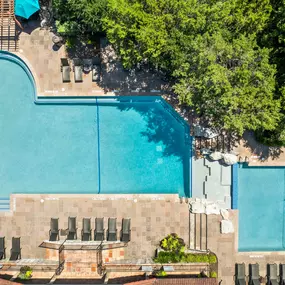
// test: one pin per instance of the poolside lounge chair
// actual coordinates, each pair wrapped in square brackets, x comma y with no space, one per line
[86,229]
[272,274]
[112,229]
[72,230]
[126,230]
[2,248]
[77,69]
[240,274]
[254,274]
[16,249]
[65,70]
[54,231]
[282,274]
[99,229]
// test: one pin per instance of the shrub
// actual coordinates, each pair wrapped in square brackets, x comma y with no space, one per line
[25,273]
[167,257]
[70,42]
[213,274]
[161,273]
[173,243]
[171,257]
[212,258]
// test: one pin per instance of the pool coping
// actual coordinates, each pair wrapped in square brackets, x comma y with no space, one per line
[235,186]
[135,198]
[235,190]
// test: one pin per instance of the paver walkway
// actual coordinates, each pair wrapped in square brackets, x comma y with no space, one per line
[37,50]
[152,218]
[226,248]
[257,154]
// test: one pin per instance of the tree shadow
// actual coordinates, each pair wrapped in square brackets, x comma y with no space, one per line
[163,126]
[225,142]
[167,130]
[139,79]
[114,77]
[80,49]
[262,152]
[83,46]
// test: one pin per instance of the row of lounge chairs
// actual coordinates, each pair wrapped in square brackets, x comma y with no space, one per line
[86,232]
[254,277]
[78,67]
[15,252]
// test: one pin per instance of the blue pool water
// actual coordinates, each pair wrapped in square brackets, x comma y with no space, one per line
[124,145]
[261,208]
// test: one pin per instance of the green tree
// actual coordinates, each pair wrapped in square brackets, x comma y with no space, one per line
[209,48]
[231,84]
[76,17]
[273,37]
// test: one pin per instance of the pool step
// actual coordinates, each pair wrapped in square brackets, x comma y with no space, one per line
[198,232]
[4,204]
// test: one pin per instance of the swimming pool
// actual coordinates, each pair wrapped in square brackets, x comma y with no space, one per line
[111,145]
[261,208]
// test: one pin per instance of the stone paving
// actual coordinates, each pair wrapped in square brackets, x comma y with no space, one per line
[36,49]
[43,59]
[226,248]
[152,218]
[256,154]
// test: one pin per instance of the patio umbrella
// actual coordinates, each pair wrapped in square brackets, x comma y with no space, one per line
[26,8]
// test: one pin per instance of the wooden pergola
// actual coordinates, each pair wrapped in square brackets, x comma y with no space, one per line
[8,31]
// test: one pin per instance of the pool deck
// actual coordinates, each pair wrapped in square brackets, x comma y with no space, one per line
[37,50]
[258,154]
[152,218]
[226,248]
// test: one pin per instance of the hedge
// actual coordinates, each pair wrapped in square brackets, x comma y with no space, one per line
[170,257]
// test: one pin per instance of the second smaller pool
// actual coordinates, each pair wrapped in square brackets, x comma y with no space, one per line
[261,208]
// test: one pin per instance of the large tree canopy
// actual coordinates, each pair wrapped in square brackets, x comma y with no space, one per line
[273,37]
[225,57]
[76,17]
[209,48]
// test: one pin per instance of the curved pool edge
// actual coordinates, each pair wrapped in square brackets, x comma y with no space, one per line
[24,64]
[99,100]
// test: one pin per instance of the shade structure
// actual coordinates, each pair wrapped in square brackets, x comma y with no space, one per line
[26,8]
